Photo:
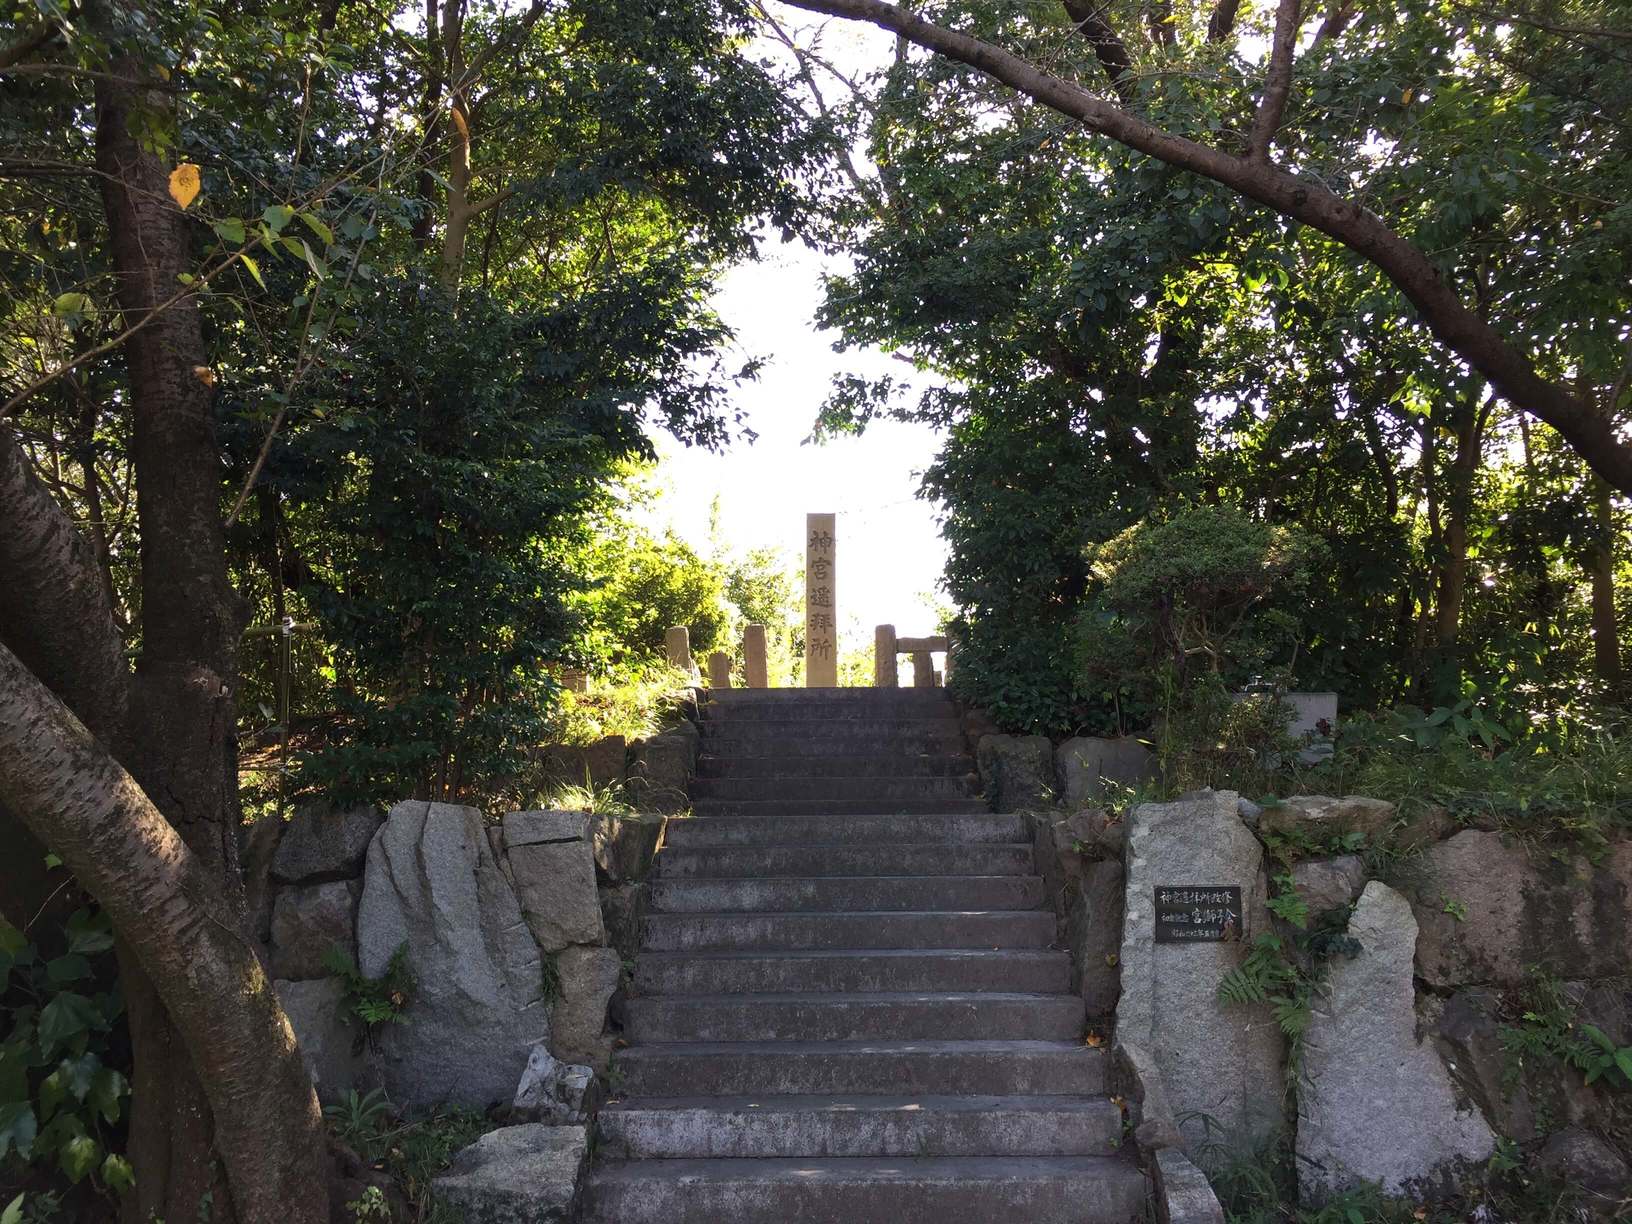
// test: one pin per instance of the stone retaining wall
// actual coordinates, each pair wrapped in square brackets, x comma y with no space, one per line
[516,933]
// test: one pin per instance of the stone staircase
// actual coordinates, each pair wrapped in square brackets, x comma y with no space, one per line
[846,1007]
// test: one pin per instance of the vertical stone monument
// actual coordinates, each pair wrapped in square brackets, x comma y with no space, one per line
[884,671]
[755,669]
[821,604]
[677,645]
[719,670]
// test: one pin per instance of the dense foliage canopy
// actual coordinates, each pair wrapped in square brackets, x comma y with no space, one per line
[1116,336]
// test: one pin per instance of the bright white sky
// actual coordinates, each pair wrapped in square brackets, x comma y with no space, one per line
[890,554]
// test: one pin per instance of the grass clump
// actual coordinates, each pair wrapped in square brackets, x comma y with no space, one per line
[637,702]
[1565,783]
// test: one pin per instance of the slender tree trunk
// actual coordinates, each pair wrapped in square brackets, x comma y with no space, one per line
[1606,638]
[1453,549]
[199,1129]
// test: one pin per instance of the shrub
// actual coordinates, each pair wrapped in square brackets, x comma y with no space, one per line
[1194,585]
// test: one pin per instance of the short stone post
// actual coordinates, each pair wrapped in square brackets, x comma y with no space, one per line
[574,680]
[923,669]
[677,643]
[719,670]
[755,670]
[884,673]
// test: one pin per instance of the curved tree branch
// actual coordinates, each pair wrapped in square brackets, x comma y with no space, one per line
[1509,371]
[1109,49]
[1277,82]
[1222,23]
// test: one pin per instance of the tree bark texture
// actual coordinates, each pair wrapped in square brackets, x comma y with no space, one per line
[177,923]
[220,1107]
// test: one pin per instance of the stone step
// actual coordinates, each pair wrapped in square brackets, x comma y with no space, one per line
[860,765]
[759,1127]
[997,1068]
[864,829]
[793,894]
[805,696]
[920,859]
[839,807]
[845,971]
[859,930]
[902,704]
[882,791]
[827,737]
[899,1015]
[949,1190]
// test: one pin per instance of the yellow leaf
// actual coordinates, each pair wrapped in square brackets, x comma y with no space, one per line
[184,184]
[204,375]
[1093,1041]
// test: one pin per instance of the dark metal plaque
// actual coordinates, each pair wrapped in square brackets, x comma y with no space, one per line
[1198,913]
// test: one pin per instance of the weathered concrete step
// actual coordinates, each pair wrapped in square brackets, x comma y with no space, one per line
[897,1190]
[839,807]
[758,1127]
[830,737]
[863,829]
[828,893]
[997,1068]
[921,859]
[860,929]
[846,971]
[805,696]
[859,765]
[901,1015]
[880,790]
[902,704]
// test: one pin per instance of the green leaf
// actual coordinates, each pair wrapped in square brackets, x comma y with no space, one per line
[254,270]
[277,216]
[79,1074]
[79,1156]
[66,1017]
[107,1092]
[18,1128]
[13,1214]
[230,229]
[53,1092]
[66,969]
[72,306]
[89,935]
[318,267]
[1623,1062]
[1598,1037]
[117,1175]
[315,224]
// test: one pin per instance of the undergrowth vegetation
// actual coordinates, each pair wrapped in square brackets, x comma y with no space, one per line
[1261,1187]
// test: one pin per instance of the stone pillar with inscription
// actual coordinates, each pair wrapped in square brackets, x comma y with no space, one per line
[821,604]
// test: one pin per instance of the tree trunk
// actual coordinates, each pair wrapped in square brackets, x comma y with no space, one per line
[201,1128]
[54,617]
[1606,638]
[219,1011]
